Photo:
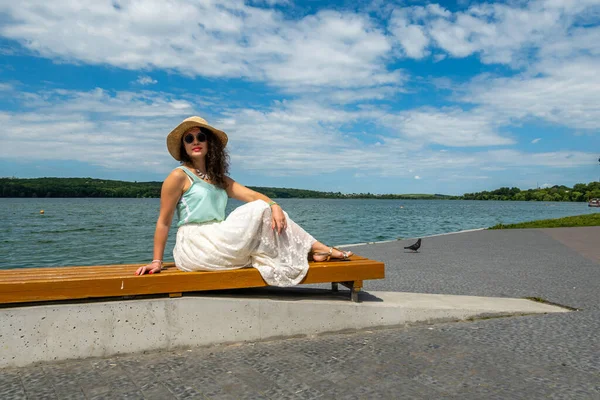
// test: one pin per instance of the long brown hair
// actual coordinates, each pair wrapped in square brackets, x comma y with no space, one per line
[217,159]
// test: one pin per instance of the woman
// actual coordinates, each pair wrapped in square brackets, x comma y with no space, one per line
[258,234]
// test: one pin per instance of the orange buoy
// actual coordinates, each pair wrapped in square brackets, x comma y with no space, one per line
[41,211]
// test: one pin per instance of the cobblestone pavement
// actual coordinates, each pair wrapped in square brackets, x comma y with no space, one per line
[553,356]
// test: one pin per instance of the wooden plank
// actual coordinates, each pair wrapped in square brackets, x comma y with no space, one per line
[58,276]
[122,282]
[340,271]
[75,269]
[362,270]
[41,272]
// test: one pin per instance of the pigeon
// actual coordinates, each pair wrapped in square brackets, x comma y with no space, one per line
[414,247]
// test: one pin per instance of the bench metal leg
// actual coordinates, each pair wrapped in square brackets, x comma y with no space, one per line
[354,287]
[335,287]
[354,295]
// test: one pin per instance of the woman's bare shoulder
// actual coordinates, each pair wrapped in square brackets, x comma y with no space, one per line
[177,176]
[177,172]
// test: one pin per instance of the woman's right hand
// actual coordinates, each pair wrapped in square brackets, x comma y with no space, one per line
[153,268]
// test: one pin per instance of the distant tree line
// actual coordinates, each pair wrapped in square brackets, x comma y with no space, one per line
[89,187]
[283,193]
[579,192]
[76,187]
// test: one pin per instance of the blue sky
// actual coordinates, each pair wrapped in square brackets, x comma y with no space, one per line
[380,97]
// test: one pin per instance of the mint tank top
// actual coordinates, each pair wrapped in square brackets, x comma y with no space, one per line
[202,202]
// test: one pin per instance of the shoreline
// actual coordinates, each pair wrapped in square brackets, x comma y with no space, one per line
[398,240]
[542,223]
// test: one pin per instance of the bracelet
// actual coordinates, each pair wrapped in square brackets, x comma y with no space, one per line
[272,203]
[160,261]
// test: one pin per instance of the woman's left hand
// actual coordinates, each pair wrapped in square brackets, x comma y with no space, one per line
[278,222]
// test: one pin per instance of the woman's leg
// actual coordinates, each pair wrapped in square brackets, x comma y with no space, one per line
[317,247]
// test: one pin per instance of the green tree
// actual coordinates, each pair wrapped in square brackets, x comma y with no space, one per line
[557,197]
[595,194]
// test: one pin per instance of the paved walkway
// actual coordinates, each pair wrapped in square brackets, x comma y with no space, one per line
[545,356]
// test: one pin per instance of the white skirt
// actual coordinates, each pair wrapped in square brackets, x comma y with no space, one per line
[246,239]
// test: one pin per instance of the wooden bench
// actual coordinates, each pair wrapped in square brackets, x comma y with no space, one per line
[71,283]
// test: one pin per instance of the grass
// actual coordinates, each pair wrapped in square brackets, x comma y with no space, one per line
[577,220]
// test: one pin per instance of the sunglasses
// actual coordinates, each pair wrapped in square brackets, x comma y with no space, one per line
[189,138]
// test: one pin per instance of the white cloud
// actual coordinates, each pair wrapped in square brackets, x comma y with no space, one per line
[554,159]
[347,96]
[561,92]
[412,38]
[345,54]
[146,80]
[329,48]
[104,128]
[462,177]
[229,39]
[112,104]
[449,127]
[493,168]
[536,140]
[497,32]
[417,177]
[573,43]
[270,2]
[552,42]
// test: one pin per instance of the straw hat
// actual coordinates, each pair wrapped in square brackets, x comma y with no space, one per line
[174,138]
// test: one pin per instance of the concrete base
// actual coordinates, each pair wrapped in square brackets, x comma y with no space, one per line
[67,331]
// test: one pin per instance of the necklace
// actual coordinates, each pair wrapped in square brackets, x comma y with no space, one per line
[202,175]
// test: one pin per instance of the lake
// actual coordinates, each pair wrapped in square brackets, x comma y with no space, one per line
[92,231]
